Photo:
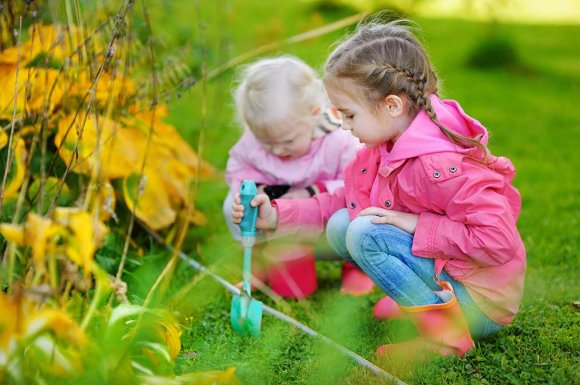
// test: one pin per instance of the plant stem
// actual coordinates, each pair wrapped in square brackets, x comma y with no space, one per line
[11,137]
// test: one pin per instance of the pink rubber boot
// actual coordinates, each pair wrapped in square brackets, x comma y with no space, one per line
[386,309]
[442,330]
[355,281]
[292,271]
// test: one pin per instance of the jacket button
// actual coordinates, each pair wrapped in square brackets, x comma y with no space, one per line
[436,174]
[352,205]
[364,171]
[388,203]
[452,169]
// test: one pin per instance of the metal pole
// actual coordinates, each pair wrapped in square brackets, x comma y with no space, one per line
[283,317]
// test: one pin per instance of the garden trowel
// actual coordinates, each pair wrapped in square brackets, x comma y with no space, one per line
[246,313]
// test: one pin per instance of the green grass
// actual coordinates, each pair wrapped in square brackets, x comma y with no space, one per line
[534,119]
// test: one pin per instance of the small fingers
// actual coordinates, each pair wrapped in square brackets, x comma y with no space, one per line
[387,220]
[237,216]
[374,211]
[259,200]
[237,209]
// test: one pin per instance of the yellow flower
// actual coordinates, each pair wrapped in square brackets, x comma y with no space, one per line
[70,233]
[84,235]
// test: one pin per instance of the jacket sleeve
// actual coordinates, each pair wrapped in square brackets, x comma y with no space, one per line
[470,216]
[307,217]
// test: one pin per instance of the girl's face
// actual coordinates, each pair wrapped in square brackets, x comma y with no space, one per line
[288,141]
[386,124]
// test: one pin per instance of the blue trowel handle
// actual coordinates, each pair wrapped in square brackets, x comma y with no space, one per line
[248,191]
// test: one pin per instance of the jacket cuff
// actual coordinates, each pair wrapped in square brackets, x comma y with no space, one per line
[424,242]
[286,214]
[321,187]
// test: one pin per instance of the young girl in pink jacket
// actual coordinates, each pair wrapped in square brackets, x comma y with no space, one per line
[292,146]
[427,212]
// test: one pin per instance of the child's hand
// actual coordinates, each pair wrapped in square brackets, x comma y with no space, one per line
[267,214]
[296,193]
[405,221]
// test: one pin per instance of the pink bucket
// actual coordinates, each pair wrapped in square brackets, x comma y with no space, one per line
[292,272]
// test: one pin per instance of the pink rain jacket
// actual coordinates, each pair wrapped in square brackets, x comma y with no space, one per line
[322,164]
[467,211]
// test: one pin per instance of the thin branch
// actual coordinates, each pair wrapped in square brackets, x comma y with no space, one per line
[291,40]
[147,147]
[110,53]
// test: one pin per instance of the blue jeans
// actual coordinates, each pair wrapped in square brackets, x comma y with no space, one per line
[384,253]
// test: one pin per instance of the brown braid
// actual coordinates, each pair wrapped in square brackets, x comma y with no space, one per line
[454,137]
[387,59]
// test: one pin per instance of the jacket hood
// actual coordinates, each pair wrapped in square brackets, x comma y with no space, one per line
[424,137]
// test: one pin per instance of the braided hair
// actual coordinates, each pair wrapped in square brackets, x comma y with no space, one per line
[387,59]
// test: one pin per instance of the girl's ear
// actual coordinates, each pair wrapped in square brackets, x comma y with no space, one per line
[395,105]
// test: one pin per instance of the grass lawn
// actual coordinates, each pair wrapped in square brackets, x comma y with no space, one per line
[534,119]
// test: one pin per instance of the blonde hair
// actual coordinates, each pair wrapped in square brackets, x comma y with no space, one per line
[274,91]
[387,59]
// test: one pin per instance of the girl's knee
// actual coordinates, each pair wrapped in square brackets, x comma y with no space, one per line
[360,229]
[365,236]
[336,228]
[338,223]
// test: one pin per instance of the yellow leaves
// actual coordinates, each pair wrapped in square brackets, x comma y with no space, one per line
[105,201]
[56,41]
[3,139]
[22,323]
[35,90]
[168,141]
[44,237]
[148,193]
[116,150]
[104,145]
[70,233]
[12,233]
[108,89]
[50,39]
[171,169]
[17,168]
[84,235]
[109,143]
[211,377]
[48,82]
